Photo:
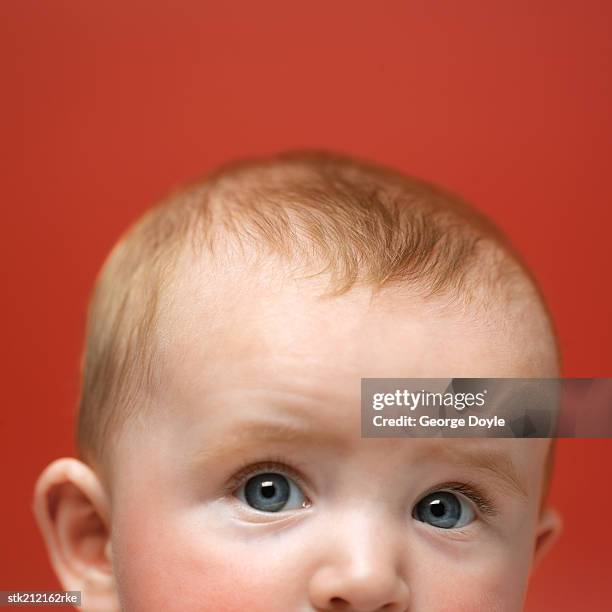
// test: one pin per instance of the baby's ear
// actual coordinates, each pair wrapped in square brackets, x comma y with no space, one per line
[72,512]
[548,530]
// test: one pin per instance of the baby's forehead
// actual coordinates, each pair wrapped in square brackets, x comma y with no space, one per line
[274,321]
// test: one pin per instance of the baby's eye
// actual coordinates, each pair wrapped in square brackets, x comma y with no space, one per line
[271,492]
[444,510]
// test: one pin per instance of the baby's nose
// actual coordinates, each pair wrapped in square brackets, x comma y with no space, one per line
[361,570]
[360,593]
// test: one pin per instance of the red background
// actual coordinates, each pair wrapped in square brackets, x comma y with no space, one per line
[107,105]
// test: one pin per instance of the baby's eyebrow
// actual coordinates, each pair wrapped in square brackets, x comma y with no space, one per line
[497,463]
[253,435]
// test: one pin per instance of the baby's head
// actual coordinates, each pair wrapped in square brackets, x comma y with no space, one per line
[222,466]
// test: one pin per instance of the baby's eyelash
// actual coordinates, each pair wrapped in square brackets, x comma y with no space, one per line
[473,492]
[271,464]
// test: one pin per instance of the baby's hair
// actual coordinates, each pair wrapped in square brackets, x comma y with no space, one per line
[345,220]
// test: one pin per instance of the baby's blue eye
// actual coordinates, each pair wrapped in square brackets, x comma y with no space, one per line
[444,510]
[271,492]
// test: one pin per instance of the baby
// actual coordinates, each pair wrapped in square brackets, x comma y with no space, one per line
[222,466]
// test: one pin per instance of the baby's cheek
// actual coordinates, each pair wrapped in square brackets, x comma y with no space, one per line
[494,582]
[162,570]
[475,596]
